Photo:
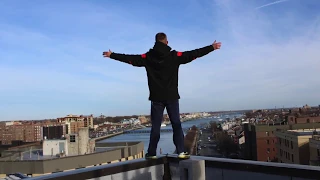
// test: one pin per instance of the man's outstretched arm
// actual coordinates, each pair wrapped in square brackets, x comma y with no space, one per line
[135,60]
[188,56]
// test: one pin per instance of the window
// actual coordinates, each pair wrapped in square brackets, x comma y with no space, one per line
[72,138]
[267,133]
[318,152]
[291,145]
[292,158]
[268,142]
[268,150]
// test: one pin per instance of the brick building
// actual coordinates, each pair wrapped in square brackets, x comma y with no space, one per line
[73,127]
[260,140]
[27,132]
[301,120]
[87,120]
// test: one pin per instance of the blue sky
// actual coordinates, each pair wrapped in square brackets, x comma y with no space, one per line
[51,60]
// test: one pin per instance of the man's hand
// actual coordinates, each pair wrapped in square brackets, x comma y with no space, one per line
[107,54]
[216,45]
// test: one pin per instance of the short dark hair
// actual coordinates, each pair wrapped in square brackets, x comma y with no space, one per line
[161,36]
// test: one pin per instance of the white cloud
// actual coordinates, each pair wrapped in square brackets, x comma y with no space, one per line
[264,61]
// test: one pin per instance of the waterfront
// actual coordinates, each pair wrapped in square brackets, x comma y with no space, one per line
[165,142]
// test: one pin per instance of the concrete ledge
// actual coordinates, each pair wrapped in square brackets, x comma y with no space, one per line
[170,168]
[104,171]
[192,169]
[72,162]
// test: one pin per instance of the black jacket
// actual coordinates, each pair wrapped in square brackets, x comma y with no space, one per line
[162,66]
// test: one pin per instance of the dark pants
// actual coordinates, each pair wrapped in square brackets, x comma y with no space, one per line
[157,109]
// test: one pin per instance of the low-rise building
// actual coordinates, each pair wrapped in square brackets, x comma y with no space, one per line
[70,145]
[293,145]
[314,148]
[260,140]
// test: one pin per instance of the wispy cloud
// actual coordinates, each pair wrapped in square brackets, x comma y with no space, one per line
[51,60]
[270,4]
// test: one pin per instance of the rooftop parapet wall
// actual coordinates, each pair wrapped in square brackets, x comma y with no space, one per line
[72,162]
[169,167]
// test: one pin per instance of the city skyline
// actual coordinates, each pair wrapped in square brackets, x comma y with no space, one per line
[52,60]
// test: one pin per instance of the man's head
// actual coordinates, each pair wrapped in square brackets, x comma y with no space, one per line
[161,37]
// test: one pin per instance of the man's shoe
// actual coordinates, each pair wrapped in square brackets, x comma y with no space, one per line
[147,156]
[184,155]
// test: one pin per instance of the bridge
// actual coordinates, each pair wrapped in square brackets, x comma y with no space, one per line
[149,131]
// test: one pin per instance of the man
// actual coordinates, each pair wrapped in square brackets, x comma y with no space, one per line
[162,66]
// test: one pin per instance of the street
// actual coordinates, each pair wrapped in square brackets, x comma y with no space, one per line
[206,145]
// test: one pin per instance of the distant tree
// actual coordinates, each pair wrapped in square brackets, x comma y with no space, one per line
[226,144]
[215,127]
[194,128]
[249,115]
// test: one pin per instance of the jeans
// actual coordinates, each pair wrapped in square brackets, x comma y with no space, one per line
[157,109]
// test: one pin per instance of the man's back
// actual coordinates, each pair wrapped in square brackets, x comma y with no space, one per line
[162,66]
[162,69]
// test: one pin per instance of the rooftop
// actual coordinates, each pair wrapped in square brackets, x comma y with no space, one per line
[300,132]
[196,168]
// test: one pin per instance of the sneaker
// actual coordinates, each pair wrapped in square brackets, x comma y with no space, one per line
[147,156]
[184,155]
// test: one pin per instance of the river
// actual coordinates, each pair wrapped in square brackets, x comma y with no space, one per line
[166,138]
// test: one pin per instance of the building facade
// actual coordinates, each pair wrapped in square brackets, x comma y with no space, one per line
[87,120]
[55,131]
[314,147]
[19,132]
[302,120]
[293,145]
[260,140]
[70,145]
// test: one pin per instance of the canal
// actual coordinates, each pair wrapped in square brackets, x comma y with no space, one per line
[166,138]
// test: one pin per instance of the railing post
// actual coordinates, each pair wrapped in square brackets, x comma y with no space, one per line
[192,169]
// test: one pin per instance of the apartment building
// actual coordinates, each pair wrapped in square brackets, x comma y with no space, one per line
[19,132]
[260,140]
[314,148]
[293,145]
[73,127]
[87,120]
